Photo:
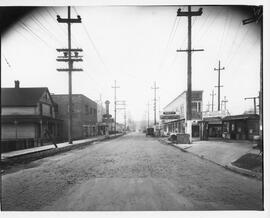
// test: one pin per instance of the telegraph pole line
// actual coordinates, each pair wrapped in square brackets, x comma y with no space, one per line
[212,95]
[155,102]
[115,87]
[70,59]
[254,103]
[189,14]
[219,86]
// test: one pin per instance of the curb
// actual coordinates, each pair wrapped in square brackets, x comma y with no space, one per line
[228,167]
[49,152]
[244,171]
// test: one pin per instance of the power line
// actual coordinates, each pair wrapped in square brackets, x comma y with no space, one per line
[93,44]
[28,29]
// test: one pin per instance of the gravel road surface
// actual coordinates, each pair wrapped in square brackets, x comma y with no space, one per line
[130,173]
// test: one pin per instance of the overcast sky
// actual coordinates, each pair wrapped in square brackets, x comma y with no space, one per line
[136,46]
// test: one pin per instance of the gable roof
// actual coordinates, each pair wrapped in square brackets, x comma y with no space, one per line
[21,96]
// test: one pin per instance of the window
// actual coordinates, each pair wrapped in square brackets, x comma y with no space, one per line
[86,109]
[56,108]
[194,106]
[199,106]
[91,110]
[73,107]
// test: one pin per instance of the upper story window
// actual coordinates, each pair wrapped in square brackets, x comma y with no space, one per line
[56,108]
[91,111]
[196,106]
[86,108]
[73,107]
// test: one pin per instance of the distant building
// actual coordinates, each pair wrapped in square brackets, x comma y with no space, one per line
[174,114]
[84,115]
[101,124]
[28,118]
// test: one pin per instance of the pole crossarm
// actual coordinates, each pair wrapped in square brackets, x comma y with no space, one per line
[189,13]
[67,49]
[66,60]
[251,98]
[187,50]
[78,56]
[217,69]
[67,69]
[69,20]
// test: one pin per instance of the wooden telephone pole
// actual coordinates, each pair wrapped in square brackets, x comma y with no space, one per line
[115,87]
[258,18]
[224,102]
[148,115]
[219,86]
[70,59]
[189,14]
[212,95]
[155,102]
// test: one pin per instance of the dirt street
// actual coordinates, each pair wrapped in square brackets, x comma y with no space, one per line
[132,172]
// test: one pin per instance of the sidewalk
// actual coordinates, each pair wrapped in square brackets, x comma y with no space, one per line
[47,150]
[220,152]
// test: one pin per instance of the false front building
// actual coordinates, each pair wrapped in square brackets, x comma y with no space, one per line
[175,113]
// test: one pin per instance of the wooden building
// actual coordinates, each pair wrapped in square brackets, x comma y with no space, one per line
[176,122]
[241,127]
[28,118]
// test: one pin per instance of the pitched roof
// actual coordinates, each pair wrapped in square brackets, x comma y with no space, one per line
[21,96]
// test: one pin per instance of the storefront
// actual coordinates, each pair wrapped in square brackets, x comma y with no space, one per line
[240,127]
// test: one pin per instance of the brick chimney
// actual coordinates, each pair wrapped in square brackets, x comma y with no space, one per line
[17,84]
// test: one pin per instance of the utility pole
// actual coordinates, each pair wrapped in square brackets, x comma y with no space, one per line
[218,86]
[70,59]
[254,103]
[258,18]
[115,87]
[212,95]
[155,102]
[224,101]
[148,115]
[208,106]
[189,14]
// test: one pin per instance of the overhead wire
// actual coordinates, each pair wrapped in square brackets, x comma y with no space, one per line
[28,29]
[92,43]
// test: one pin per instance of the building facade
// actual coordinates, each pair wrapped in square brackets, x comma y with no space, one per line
[84,115]
[28,118]
[240,127]
[176,112]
